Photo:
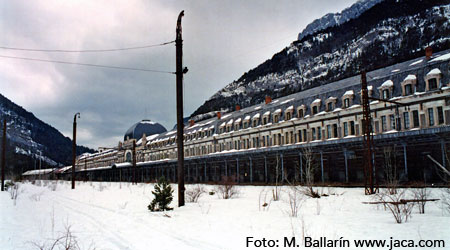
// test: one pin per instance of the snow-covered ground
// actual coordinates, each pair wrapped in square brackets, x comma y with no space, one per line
[115,216]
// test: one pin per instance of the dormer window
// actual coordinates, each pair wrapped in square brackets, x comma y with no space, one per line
[386,89]
[288,113]
[301,111]
[329,106]
[347,98]
[315,106]
[246,122]
[276,116]
[265,119]
[346,102]
[288,116]
[255,120]
[330,103]
[432,79]
[432,84]
[409,84]
[385,93]
[237,124]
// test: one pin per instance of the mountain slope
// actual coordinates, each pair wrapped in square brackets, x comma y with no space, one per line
[390,31]
[30,138]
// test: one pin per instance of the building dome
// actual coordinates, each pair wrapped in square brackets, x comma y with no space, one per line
[146,127]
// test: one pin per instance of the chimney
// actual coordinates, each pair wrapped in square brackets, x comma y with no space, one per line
[191,122]
[268,99]
[219,115]
[238,107]
[428,53]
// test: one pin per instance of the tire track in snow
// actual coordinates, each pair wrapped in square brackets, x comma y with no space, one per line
[195,245]
[117,240]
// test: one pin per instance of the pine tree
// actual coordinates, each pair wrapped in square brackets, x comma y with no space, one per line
[163,196]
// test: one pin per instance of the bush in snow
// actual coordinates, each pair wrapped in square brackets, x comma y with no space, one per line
[400,209]
[8,184]
[227,189]
[14,192]
[421,193]
[194,193]
[163,196]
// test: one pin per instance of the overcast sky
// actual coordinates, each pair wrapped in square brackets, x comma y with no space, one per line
[222,40]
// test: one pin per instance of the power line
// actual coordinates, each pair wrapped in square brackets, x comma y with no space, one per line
[86,51]
[88,64]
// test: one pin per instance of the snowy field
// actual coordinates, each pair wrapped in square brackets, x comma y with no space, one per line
[115,216]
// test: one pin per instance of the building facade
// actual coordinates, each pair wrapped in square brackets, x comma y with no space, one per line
[266,142]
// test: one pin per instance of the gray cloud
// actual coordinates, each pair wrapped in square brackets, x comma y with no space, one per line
[222,40]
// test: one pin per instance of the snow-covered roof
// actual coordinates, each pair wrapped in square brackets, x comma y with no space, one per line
[267,113]
[387,84]
[230,122]
[247,118]
[222,125]
[331,98]
[370,88]
[316,101]
[37,171]
[238,120]
[256,116]
[290,108]
[277,111]
[410,77]
[349,92]
[441,58]
[434,71]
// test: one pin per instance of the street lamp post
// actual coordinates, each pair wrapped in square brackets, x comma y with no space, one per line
[74,147]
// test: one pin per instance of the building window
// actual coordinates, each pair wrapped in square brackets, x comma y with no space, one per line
[408,89]
[288,116]
[406,120]
[335,130]
[431,116]
[386,94]
[440,115]
[392,121]
[319,133]
[352,127]
[383,123]
[305,135]
[330,106]
[415,118]
[292,136]
[286,135]
[300,136]
[300,113]
[346,103]
[255,123]
[432,83]
[275,118]
[313,133]
[329,135]
[314,110]
[265,120]
[345,129]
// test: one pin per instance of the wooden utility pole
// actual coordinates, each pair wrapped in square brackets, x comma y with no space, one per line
[134,162]
[369,170]
[74,147]
[3,154]
[180,125]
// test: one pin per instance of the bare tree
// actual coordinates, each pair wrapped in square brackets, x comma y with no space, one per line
[309,172]
[194,193]
[395,202]
[227,188]
[421,193]
[390,169]
[276,190]
[296,199]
